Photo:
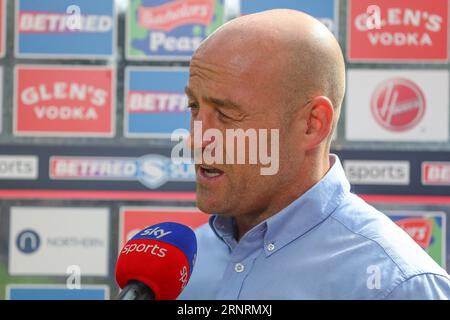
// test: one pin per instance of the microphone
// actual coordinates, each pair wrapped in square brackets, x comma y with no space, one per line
[157,263]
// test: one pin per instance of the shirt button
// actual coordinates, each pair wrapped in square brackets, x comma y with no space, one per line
[270,247]
[239,267]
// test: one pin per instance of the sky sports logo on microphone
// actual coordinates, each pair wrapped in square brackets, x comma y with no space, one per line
[169,233]
[161,257]
[148,233]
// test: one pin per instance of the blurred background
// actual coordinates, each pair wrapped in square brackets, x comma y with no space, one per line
[92,90]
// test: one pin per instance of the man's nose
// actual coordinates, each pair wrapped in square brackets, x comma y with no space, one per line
[199,125]
[196,139]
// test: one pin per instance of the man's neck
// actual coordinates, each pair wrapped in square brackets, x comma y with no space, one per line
[246,222]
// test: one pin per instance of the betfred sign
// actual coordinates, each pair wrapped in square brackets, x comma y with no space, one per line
[398,30]
[155,102]
[63,100]
[397,105]
[436,173]
[81,29]
[134,219]
[153,170]
[170,29]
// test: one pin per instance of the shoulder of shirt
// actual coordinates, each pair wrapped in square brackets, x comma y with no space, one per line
[400,251]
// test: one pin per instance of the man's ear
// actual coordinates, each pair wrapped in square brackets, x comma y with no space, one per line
[319,115]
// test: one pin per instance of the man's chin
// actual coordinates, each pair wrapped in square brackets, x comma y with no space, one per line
[206,206]
[209,203]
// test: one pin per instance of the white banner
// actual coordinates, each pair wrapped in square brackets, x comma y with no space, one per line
[397,105]
[52,241]
[18,167]
[377,172]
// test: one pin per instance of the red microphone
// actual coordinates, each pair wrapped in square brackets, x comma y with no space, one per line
[156,263]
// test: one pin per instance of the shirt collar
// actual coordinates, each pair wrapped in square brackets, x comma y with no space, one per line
[292,222]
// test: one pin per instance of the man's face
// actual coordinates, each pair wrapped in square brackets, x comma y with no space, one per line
[235,93]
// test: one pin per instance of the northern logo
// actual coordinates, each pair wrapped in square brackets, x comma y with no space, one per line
[28,241]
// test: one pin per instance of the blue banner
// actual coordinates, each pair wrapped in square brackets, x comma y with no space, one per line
[155,102]
[56,292]
[65,28]
[324,10]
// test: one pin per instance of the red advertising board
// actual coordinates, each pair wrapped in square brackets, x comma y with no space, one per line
[418,228]
[436,173]
[64,101]
[398,30]
[134,219]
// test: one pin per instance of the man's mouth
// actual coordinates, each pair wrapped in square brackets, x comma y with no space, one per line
[209,172]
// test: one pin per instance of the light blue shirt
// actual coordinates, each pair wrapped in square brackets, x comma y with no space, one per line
[327,244]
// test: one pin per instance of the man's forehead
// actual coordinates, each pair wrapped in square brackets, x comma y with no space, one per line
[227,60]
[237,49]
[235,68]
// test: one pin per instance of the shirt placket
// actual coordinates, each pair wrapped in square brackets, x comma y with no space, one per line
[241,262]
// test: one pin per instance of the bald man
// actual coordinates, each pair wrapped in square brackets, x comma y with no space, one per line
[299,233]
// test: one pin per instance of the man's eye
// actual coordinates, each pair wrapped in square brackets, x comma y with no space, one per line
[193,106]
[223,116]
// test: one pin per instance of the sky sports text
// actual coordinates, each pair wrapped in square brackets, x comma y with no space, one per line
[153,249]
[156,232]
[251,147]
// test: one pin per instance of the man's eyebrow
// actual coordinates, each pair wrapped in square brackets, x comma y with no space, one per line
[215,101]
[227,103]
[189,92]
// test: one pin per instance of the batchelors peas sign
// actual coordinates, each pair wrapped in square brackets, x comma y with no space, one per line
[165,30]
